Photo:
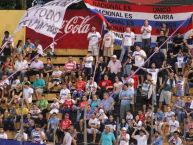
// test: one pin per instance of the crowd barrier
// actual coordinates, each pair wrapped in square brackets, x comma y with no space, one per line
[14,142]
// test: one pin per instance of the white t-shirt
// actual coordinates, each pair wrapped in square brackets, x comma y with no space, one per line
[63,94]
[88,61]
[174,125]
[168,115]
[67,139]
[128,38]
[37,65]
[94,122]
[141,140]
[93,38]
[40,49]
[154,73]
[56,73]
[180,61]
[27,94]
[145,34]
[108,39]
[3,136]
[139,61]
[19,65]
[124,142]
[114,66]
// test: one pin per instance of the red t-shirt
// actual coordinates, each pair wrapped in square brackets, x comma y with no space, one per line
[142,117]
[136,81]
[83,104]
[105,83]
[68,104]
[66,123]
[80,85]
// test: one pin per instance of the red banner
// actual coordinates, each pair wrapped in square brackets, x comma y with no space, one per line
[77,24]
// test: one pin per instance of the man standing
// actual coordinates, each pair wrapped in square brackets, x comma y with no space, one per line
[94,38]
[107,137]
[127,42]
[108,41]
[125,97]
[146,36]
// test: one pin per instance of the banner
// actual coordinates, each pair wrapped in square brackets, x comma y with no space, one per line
[122,15]
[73,34]
[14,142]
[46,19]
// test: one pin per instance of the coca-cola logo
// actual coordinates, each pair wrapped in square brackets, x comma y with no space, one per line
[77,24]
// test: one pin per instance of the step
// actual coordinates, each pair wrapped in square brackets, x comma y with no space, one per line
[58,60]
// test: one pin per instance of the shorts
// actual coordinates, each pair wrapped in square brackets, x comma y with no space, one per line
[91,130]
[94,49]
[108,51]
[165,96]
[28,100]
[39,90]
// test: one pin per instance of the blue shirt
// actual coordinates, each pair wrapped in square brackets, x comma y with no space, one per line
[158,141]
[129,94]
[107,138]
[39,83]
[53,122]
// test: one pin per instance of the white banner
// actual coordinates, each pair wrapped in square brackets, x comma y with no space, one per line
[46,19]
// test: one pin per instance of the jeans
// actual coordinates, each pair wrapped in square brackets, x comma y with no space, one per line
[124,109]
[124,49]
[77,94]
[180,116]
[188,86]
[146,44]
[127,69]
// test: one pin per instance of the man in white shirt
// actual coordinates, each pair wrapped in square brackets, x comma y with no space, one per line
[141,138]
[21,67]
[94,125]
[108,41]
[139,56]
[127,41]
[36,66]
[67,138]
[114,66]
[64,93]
[146,36]
[27,93]
[88,64]
[3,134]
[173,125]
[94,39]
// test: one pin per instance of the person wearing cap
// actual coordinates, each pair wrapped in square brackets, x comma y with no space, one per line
[125,97]
[114,67]
[124,137]
[107,137]
[127,42]
[142,137]
[28,93]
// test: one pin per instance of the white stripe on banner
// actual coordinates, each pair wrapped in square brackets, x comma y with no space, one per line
[141,15]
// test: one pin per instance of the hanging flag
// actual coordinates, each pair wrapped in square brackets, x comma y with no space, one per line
[119,16]
[46,19]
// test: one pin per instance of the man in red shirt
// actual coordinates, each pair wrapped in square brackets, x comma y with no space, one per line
[80,88]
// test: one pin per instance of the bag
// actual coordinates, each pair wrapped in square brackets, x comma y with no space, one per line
[145,89]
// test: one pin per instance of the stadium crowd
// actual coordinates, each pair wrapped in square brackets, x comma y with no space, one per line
[133,99]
